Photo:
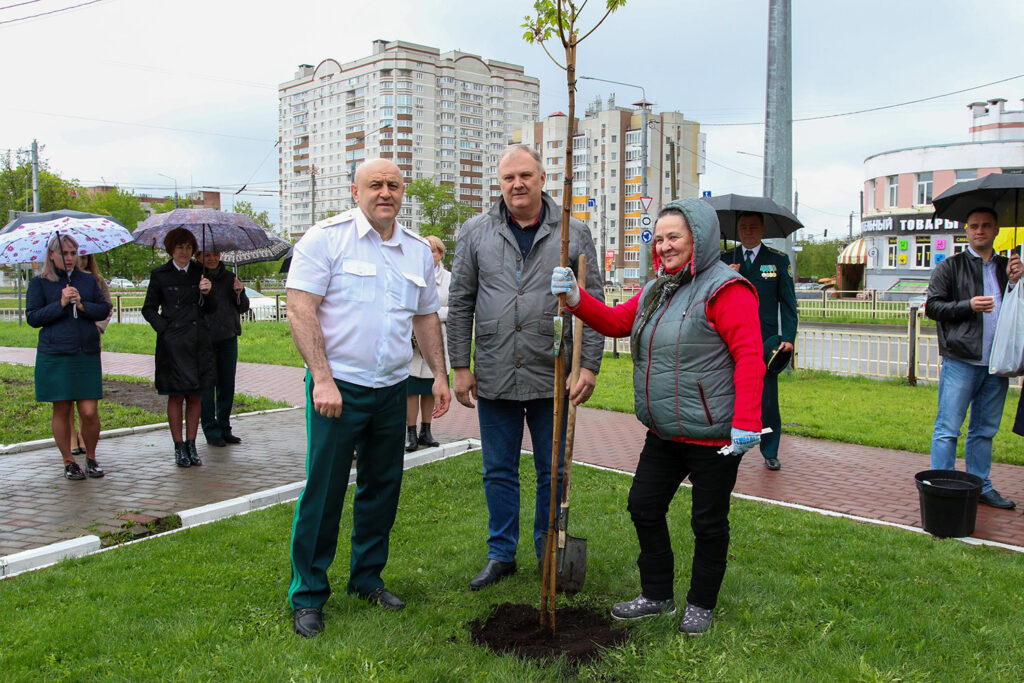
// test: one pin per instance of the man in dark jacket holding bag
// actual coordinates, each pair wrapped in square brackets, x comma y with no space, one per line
[225,329]
[964,296]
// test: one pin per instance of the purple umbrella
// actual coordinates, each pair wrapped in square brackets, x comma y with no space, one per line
[214,230]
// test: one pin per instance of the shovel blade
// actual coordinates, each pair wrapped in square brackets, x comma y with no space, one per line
[570,564]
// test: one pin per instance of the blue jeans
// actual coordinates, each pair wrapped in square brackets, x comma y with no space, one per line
[501,437]
[961,385]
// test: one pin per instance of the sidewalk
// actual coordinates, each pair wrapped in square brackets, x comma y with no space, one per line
[38,506]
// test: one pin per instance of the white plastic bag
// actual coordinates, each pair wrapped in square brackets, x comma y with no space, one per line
[1007,355]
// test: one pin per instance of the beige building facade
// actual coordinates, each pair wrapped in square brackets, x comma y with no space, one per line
[607,163]
[446,116]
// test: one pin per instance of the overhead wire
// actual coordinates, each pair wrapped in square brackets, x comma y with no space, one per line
[48,13]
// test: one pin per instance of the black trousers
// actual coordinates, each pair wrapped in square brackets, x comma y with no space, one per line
[218,399]
[662,468]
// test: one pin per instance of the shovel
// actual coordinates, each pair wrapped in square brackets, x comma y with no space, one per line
[571,556]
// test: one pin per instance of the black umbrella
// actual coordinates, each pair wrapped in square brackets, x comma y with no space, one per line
[778,221]
[286,263]
[1001,192]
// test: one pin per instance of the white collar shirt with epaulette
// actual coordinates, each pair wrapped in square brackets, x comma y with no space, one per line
[371,289]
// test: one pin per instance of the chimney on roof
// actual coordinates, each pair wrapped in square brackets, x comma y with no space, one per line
[379,46]
[978,109]
[304,70]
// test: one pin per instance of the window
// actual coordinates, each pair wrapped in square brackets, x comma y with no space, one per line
[959,243]
[893,248]
[966,174]
[923,251]
[869,199]
[894,186]
[923,190]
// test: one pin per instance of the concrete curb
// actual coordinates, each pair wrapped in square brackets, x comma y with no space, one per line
[113,433]
[37,558]
[47,555]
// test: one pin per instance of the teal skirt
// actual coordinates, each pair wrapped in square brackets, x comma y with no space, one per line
[68,378]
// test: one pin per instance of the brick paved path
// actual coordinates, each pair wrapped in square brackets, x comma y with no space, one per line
[38,506]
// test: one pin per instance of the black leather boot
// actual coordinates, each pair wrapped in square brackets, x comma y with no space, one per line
[193,454]
[426,438]
[181,454]
[410,439]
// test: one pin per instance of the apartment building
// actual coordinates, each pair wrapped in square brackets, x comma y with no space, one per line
[607,168]
[446,116]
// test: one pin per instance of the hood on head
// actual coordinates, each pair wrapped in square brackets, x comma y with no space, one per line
[703,222]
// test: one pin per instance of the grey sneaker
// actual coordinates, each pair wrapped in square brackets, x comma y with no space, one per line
[641,607]
[696,620]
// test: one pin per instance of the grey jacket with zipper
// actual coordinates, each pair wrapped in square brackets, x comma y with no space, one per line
[512,303]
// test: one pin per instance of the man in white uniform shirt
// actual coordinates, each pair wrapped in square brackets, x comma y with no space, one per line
[359,285]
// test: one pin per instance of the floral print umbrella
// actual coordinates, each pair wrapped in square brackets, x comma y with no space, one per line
[27,242]
[214,230]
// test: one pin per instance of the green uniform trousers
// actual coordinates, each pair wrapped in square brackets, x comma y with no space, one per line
[372,424]
[770,416]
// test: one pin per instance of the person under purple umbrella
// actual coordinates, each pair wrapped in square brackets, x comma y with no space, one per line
[176,301]
[66,304]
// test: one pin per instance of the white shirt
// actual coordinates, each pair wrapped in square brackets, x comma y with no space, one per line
[753,255]
[371,289]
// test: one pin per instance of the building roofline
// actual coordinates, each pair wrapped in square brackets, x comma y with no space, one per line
[945,144]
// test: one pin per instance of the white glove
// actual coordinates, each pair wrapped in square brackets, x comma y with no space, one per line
[564,282]
[743,441]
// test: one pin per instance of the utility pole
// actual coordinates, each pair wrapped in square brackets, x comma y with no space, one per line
[672,161]
[312,196]
[643,181]
[35,176]
[778,128]
[851,225]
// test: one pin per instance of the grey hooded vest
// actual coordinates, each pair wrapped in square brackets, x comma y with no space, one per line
[683,379]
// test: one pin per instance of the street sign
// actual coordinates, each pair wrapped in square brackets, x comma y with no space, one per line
[646,236]
[645,221]
[705,193]
[645,203]
[591,201]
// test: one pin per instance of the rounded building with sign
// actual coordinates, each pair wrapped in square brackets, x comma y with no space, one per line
[902,239]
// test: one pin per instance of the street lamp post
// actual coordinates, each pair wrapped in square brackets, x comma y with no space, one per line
[644,107]
[175,187]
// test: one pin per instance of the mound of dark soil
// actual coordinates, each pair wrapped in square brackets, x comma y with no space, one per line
[581,633]
[143,395]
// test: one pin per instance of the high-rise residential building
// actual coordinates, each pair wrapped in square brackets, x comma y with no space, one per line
[607,158]
[443,116]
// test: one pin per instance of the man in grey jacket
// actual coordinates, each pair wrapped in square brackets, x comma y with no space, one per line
[501,275]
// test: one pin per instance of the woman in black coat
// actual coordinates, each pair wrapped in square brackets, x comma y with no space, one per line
[175,302]
[65,304]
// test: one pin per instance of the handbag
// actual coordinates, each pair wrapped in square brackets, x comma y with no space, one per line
[1006,358]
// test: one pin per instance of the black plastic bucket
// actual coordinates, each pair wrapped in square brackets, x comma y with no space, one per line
[949,502]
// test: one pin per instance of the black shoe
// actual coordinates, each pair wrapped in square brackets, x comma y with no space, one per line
[772,464]
[217,441]
[193,454]
[992,498]
[93,469]
[410,439]
[426,438]
[385,598]
[73,471]
[493,572]
[78,451]
[309,621]
[232,439]
[181,454]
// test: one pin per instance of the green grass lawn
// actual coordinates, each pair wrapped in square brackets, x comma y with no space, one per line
[261,342]
[210,603]
[22,419]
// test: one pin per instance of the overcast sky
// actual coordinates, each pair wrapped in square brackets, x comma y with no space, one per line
[121,91]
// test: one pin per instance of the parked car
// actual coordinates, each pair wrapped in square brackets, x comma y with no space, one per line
[144,283]
[121,283]
[262,307]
